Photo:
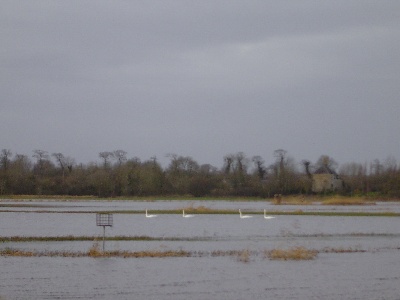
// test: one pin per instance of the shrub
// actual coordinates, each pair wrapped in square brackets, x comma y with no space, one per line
[94,251]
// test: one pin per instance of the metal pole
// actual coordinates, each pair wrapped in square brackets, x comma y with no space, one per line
[104,236]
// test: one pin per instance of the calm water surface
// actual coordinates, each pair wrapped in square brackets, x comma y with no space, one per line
[373,274]
[103,205]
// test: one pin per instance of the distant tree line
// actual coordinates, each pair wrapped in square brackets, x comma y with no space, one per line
[116,175]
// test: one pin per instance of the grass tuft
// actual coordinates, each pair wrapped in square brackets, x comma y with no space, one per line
[95,251]
[297,253]
[244,256]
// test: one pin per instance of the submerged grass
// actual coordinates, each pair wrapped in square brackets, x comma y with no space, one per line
[296,253]
[70,238]
[94,252]
[342,250]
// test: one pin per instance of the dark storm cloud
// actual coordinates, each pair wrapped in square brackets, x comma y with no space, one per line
[201,78]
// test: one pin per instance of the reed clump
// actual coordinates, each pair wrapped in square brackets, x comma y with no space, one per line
[296,253]
[95,251]
[244,256]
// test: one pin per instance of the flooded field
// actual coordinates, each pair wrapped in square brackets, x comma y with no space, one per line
[357,256]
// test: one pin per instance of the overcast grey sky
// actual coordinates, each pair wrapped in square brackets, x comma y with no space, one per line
[201,78]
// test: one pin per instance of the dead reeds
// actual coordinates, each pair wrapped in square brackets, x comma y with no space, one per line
[94,252]
[244,256]
[296,253]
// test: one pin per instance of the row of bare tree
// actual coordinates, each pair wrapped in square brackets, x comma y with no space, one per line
[116,175]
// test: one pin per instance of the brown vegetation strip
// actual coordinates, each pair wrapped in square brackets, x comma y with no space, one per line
[69,238]
[296,253]
[94,253]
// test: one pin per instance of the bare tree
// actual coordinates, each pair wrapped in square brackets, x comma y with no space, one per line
[182,164]
[41,156]
[241,163]
[259,164]
[208,169]
[60,160]
[280,154]
[306,164]
[120,155]
[5,158]
[228,163]
[106,156]
[306,182]
[174,164]
[285,171]
[390,164]
[23,162]
[70,163]
[64,162]
[376,167]
[326,161]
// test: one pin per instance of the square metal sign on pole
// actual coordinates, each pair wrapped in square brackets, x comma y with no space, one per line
[104,219]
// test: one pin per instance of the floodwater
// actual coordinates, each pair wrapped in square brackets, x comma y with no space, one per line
[372,271]
[121,205]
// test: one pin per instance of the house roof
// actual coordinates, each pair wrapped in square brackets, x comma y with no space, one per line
[325,170]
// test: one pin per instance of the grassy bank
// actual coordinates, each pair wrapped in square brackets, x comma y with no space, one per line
[284,200]
[127,198]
